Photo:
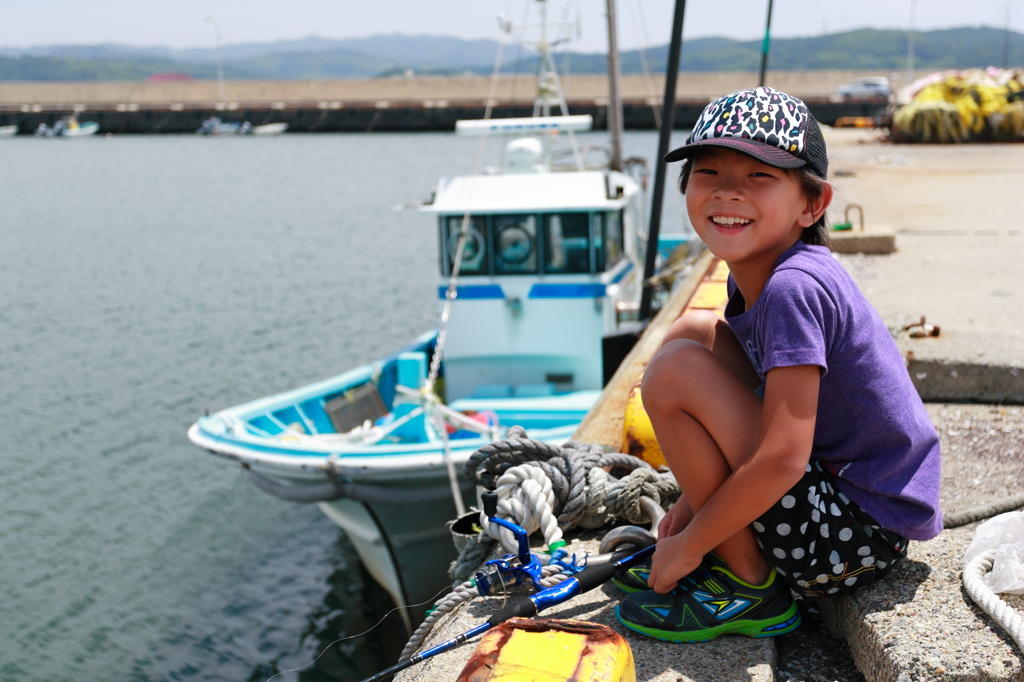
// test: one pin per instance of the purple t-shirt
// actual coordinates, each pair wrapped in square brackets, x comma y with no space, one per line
[872,432]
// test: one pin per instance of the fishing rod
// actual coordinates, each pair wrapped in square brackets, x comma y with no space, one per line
[528,606]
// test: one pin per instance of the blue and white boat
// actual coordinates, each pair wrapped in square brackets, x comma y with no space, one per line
[68,126]
[551,262]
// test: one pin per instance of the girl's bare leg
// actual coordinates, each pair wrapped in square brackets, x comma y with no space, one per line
[712,332]
[698,392]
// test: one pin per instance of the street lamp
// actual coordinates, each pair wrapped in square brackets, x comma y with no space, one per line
[220,60]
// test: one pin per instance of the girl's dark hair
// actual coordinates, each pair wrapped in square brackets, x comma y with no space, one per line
[817,234]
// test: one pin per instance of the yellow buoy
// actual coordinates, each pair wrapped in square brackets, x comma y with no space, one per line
[550,650]
[638,437]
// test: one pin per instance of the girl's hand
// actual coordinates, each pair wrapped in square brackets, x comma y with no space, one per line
[676,519]
[671,563]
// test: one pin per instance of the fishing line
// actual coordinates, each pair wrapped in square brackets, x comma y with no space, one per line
[397,608]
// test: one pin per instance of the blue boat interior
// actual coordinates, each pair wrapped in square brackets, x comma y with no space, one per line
[381,402]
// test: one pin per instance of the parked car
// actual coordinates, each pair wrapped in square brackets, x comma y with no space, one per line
[868,87]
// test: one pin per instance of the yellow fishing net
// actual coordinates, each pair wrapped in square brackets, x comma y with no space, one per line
[962,106]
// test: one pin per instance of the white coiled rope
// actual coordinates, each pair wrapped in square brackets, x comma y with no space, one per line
[525,497]
[1001,612]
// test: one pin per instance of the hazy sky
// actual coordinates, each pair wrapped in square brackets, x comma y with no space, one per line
[180,23]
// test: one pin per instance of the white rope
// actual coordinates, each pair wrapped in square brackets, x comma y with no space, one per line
[1001,612]
[525,497]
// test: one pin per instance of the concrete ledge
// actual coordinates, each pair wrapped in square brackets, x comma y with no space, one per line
[878,240]
[945,380]
[919,624]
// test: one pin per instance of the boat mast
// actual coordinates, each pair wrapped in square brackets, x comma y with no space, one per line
[668,117]
[765,45]
[549,90]
[614,94]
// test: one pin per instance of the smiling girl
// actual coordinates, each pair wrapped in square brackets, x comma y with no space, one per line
[805,456]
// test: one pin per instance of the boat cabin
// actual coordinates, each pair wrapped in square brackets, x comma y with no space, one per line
[547,257]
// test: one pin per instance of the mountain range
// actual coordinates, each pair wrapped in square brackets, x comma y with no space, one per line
[389,55]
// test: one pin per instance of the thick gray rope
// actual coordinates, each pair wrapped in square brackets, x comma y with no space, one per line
[567,466]
[962,518]
[1001,612]
[550,575]
[472,555]
[624,497]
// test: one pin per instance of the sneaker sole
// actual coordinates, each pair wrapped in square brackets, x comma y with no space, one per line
[770,627]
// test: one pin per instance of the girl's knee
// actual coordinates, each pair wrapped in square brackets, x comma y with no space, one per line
[669,371]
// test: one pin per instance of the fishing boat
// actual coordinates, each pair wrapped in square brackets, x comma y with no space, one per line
[215,126]
[540,259]
[68,126]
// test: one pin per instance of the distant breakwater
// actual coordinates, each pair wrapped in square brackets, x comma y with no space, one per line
[387,105]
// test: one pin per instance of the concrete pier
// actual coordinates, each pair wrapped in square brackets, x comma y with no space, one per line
[392,104]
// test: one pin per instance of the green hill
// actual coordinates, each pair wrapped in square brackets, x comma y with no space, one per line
[379,56]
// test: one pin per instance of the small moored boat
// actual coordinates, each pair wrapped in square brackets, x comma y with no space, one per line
[68,126]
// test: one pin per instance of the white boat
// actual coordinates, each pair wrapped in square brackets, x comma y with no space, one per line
[269,129]
[551,257]
[8,131]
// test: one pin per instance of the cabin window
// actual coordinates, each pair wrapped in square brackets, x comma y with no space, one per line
[597,235]
[566,243]
[515,244]
[612,238]
[474,255]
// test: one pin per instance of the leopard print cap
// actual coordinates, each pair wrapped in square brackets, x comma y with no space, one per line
[774,121]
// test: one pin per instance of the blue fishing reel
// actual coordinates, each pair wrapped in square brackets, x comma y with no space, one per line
[511,569]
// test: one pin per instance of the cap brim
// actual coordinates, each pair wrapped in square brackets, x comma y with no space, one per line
[763,152]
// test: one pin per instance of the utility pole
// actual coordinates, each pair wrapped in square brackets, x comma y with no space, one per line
[765,45]
[220,60]
[614,96]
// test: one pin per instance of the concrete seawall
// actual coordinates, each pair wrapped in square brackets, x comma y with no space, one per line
[396,104]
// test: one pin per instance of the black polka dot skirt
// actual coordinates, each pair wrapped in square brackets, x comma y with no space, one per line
[821,542]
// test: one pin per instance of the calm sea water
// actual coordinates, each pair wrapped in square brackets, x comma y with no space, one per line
[143,280]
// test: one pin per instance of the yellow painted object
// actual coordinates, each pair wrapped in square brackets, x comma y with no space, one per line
[638,437]
[854,122]
[550,650]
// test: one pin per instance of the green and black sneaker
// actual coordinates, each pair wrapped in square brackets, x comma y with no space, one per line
[710,602]
[634,578]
